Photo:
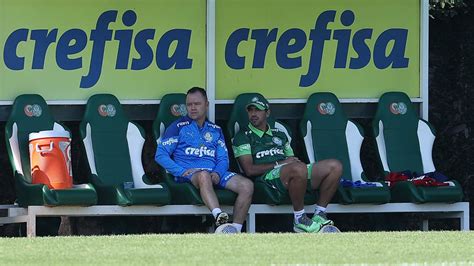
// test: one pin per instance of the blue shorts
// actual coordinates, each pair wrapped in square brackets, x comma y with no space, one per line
[222,182]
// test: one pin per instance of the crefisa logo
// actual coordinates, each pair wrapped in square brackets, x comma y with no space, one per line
[136,49]
[326,108]
[398,108]
[32,110]
[387,50]
[170,52]
[107,110]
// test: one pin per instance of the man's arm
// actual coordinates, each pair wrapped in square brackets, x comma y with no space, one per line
[251,169]
[165,149]
[243,152]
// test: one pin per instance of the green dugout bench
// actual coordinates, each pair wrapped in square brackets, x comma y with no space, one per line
[113,147]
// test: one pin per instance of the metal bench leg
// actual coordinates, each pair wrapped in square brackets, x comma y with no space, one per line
[251,222]
[464,221]
[31,225]
[425,225]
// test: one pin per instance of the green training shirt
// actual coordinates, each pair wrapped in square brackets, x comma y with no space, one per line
[265,147]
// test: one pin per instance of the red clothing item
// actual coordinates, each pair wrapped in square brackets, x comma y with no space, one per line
[423,181]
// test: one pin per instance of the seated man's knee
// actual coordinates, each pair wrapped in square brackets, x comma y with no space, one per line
[247,187]
[299,170]
[336,167]
[295,173]
[203,178]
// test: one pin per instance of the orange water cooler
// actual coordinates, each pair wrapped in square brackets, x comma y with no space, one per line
[50,158]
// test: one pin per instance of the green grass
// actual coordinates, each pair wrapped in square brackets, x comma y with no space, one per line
[261,249]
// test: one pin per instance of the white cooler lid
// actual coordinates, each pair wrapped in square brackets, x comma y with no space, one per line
[49,134]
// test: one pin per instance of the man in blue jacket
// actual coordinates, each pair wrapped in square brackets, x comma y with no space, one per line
[193,150]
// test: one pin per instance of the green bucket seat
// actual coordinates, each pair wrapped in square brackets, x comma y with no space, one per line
[172,106]
[113,146]
[405,142]
[328,134]
[30,113]
[238,120]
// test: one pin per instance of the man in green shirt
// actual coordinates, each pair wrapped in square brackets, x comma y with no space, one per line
[265,153]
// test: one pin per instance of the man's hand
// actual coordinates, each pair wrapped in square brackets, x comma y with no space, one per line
[290,160]
[190,171]
[215,178]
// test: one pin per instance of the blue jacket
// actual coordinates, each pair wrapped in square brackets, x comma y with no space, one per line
[184,145]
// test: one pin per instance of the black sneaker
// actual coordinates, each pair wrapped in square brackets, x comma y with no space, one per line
[222,218]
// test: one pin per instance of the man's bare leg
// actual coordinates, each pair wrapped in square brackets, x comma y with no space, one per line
[202,181]
[326,176]
[244,189]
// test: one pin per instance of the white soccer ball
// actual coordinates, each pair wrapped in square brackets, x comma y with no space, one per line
[226,228]
[329,229]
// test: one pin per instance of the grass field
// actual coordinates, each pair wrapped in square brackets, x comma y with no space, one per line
[446,248]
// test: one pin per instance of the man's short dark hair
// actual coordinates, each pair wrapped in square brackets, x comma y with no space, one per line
[198,89]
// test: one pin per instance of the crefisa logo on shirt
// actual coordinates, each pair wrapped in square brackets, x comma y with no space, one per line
[170,141]
[270,152]
[203,150]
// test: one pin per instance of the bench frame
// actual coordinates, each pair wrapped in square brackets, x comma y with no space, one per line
[431,210]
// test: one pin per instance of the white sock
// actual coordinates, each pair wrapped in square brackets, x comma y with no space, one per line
[298,215]
[319,209]
[238,226]
[216,211]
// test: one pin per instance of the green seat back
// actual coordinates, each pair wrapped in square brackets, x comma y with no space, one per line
[404,141]
[172,106]
[104,130]
[239,120]
[30,113]
[238,117]
[328,134]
